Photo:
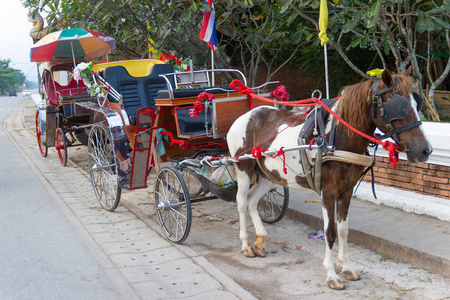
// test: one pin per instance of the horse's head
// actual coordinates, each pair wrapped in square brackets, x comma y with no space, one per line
[395,113]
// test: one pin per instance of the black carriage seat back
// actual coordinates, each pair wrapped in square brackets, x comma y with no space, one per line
[137,92]
[190,126]
[156,82]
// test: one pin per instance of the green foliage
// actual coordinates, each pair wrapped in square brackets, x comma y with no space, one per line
[9,78]
[444,119]
[368,34]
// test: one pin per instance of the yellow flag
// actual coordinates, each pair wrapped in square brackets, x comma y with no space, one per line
[323,22]
[154,53]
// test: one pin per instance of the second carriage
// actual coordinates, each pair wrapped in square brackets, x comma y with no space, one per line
[145,120]
[59,120]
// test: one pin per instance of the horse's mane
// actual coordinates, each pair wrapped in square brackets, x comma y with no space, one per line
[354,106]
[356,102]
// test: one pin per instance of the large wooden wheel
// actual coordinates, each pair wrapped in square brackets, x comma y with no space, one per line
[61,146]
[103,167]
[43,149]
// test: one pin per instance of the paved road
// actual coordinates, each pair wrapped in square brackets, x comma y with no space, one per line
[41,254]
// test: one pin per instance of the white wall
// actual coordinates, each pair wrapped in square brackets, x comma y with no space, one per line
[439,135]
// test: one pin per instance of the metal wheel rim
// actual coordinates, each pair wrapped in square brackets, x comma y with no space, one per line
[193,184]
[172,204]
[103,167]
[273,206]
[43,149]
[61,146]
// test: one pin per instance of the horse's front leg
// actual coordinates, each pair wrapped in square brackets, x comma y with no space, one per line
[342,227]
[243,181]
[258,190]
[328,206]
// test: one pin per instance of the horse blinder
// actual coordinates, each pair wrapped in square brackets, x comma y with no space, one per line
[396,108]
[419,100]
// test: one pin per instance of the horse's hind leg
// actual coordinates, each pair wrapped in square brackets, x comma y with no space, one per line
[243,181]
[342,228]
[257,192]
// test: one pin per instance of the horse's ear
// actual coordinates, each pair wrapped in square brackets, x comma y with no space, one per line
[409,71]
[387,78]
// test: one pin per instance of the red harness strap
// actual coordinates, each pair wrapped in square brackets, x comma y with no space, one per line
[256,152]
[281,152]
[392,148]
[242,89]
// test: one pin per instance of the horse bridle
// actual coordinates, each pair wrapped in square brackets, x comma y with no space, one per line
[395,108]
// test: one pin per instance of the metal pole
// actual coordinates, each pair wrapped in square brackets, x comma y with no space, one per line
[212,67]
[73,55]
[39,79]
[326,71]
[191,67]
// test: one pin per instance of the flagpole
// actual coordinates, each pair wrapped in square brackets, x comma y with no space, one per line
[212,68]
[325,52]
[323,23]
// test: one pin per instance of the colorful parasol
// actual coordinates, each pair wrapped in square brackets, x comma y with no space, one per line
[72,43]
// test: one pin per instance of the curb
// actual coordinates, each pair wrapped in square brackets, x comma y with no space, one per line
[123,286]
[429,262]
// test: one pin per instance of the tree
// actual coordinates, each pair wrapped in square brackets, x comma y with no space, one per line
[10,78]
[389,28]
[172,24]
[255,33]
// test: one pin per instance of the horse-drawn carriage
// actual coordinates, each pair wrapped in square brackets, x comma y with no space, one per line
[141,117]
[59,120]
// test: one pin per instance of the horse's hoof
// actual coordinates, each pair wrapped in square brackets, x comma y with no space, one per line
[352,276]
[336,284]
[259,251]
[248,253]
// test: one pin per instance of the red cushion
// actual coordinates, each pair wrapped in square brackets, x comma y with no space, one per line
[50,90]
[72,88]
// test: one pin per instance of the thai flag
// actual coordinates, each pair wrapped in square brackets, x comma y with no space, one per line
[208,32]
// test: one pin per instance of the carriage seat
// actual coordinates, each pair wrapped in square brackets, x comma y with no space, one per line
[192,127]
[71,89]
[193,92]
[137,92]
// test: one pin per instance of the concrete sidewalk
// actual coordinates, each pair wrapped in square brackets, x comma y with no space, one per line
[420,240]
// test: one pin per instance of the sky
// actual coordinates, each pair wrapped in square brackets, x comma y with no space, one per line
[15,40]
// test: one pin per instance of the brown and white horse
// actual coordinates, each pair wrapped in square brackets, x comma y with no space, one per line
[396,111]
